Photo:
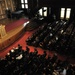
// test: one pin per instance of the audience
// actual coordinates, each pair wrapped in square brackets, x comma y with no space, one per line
[25,62]
[56,36]
[48,36]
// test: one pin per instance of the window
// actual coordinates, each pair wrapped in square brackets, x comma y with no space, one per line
[65,13]
[24,4]
[40,12]
[26,1]
[45,11]
[22,1]
[62,13]
[68,11]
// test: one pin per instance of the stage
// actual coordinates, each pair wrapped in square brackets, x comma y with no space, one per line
[11,36]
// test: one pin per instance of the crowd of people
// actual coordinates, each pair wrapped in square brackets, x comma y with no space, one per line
[57,36]
[23,62]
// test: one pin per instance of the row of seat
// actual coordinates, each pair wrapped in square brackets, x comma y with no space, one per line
[23,62]
[50,36]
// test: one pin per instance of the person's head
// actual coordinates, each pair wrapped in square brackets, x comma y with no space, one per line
[18,44]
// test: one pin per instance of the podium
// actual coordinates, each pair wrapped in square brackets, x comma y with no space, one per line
[2,31]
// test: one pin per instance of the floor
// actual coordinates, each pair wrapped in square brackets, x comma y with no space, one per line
[6,21]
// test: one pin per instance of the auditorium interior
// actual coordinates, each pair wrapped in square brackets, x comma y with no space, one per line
[37,37]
